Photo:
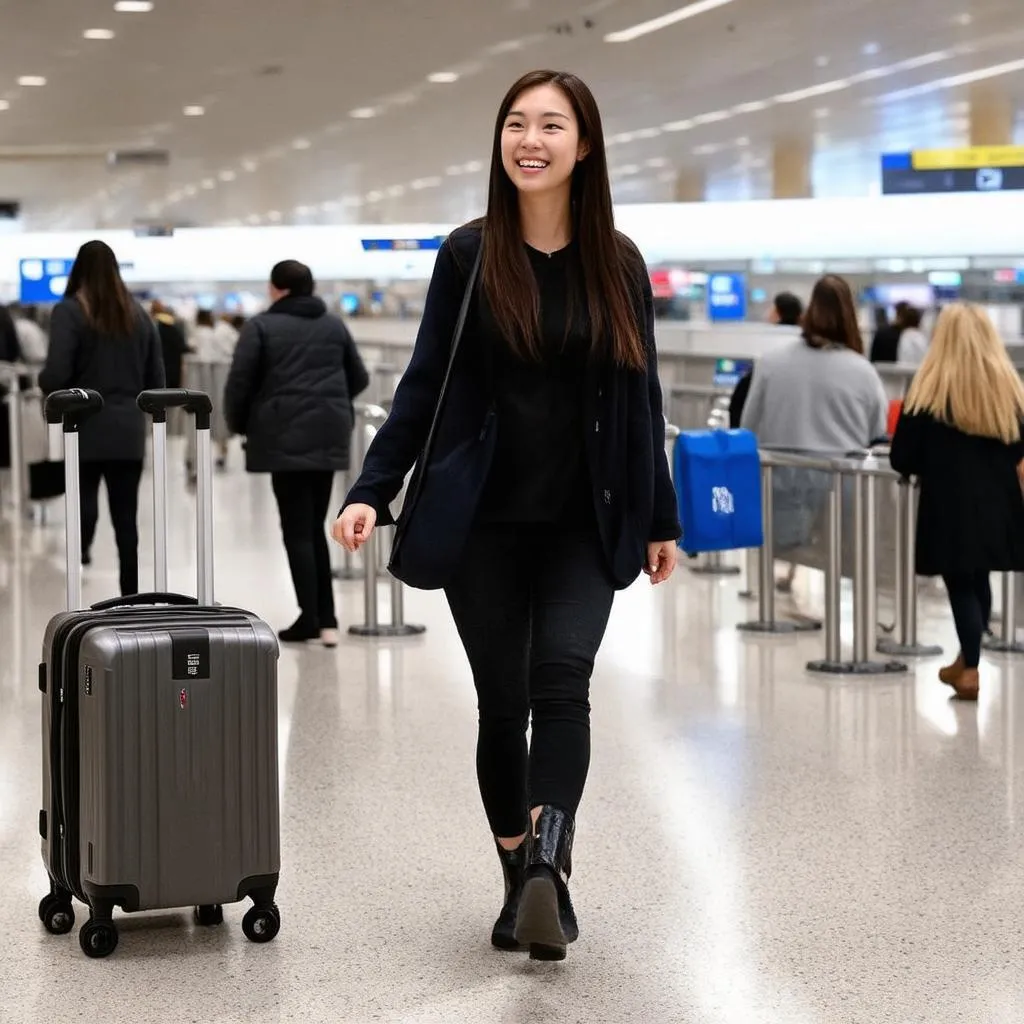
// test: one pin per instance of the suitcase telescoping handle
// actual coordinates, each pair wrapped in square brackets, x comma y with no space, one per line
[197,403]
[69,408]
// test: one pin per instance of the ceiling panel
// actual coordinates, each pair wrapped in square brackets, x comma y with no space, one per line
[279,82]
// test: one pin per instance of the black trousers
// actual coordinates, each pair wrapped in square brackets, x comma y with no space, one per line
[122,479]
[531,604]
[970,598]
[303,497]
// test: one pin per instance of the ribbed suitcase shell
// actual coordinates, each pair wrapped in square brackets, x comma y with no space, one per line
[177,777]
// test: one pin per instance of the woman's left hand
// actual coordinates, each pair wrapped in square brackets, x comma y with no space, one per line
[661,560]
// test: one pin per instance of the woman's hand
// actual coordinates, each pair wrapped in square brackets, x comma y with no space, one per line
[352,529]
[661,560]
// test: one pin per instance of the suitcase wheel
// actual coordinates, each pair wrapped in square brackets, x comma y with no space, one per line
[57,915]
[98,938]
[261,924]
[208,915]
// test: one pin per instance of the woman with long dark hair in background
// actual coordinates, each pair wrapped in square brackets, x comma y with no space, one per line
[558,360]
[101,338]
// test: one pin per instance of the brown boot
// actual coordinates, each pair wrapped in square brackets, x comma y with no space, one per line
[951,673]
[967,684]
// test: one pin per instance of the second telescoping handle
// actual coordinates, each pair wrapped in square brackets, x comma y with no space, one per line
[68,409]
[198,404]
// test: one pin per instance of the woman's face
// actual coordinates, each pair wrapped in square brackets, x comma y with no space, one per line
[540,140]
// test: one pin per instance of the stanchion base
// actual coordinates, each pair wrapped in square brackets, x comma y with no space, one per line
[716,570]
[997,646]
[387,631]
[346,574]
[898,650]
[858,668]
[748,595]
[779,627]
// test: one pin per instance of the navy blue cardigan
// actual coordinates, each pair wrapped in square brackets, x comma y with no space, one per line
[634,499]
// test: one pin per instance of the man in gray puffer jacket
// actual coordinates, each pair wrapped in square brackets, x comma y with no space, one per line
[294,375]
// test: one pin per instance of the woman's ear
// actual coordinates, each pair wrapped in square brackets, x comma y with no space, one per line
[583,152]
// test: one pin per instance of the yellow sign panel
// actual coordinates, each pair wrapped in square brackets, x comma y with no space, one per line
[967,159]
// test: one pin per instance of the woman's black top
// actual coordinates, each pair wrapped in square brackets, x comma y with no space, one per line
[971,513]
[539,474]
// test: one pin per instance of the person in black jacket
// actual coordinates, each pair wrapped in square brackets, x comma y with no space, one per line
[295,373]
[960,434]
[559,360]
[101,338]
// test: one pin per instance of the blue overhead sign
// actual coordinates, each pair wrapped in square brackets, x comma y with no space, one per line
[43,280]
[727,297]
[402,244]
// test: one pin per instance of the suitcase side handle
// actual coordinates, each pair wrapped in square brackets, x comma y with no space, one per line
[137,599]
[70,406]
[157,401]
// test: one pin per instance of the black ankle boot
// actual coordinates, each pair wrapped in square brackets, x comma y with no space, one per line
[513,867]
[546,921]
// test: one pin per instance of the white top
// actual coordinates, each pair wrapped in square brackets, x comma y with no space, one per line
[913,346]
[215,344]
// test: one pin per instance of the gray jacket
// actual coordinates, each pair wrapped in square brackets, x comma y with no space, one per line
[118,368]
[294,375]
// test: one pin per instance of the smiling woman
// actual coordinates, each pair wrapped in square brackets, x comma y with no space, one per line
[543,486]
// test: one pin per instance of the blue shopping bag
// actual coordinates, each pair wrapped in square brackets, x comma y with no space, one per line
[718,485]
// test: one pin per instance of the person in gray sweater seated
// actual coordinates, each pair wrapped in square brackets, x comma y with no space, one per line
[816,395]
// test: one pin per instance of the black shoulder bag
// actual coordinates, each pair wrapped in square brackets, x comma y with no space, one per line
[443,496]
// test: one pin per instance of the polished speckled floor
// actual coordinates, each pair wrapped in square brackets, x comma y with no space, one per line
[756,844]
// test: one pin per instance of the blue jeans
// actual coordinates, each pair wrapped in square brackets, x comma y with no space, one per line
[531,604]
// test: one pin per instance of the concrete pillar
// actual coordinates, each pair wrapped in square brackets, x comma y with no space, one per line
[690,185]
[791,169]
[991,116]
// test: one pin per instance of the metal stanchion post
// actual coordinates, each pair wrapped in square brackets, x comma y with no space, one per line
[712,565]
[1006,642]
[17,453]
[864,584]
[905,644]
[749,592]
[765,622]
[347,570]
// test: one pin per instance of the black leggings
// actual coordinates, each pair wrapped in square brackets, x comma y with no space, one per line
[302,500]
[970,598]
[122,477]
[531,604]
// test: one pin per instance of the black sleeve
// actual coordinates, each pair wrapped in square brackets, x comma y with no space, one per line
[10,349]
[241,383]
[154,372]
[355,370]
[739,399]
[59,370]
[906,453]
[665,525]
[401,438]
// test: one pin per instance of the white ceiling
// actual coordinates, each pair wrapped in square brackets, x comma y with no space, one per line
[273,77]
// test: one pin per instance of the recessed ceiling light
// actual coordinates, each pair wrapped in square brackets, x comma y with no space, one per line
[250,165]
[677,126]
[822,61]
[657,161]
[254,218]
[209,183]
[4,105]
[363,113]
[964,19]
[454,170]
[752,107]
[190,190]
[821,112]
[98,33]
[443,77]
[871,49]
[374,196]
[194,111]
[648,133]
[227,175]
[133,6]
[302,144]
[303,211]
[743,141]
[274,215]
[34,81]
[421,183]
[672,18]
[712,117]
[330,205]
[396,191]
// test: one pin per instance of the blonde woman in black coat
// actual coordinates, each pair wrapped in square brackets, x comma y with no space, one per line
[960,434]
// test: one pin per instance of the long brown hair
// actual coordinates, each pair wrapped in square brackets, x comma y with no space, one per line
[606,258]
[95,280]
[831,317]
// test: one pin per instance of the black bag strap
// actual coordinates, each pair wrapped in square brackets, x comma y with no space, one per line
[460,325]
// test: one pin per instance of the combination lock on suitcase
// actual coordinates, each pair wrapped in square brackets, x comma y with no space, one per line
[160,761]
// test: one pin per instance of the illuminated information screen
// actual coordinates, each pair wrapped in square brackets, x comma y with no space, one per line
[973,169]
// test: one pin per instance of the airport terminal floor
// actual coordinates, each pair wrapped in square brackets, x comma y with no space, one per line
[756,844]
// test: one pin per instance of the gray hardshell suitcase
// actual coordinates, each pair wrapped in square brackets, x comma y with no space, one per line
[160,762]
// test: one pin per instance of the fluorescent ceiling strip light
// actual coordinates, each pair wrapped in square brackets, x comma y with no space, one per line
[672,18]
[712,117]
[837,85]
[951,82]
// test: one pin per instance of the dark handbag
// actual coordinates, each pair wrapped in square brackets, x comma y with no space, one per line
[432,528]
[45,480]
